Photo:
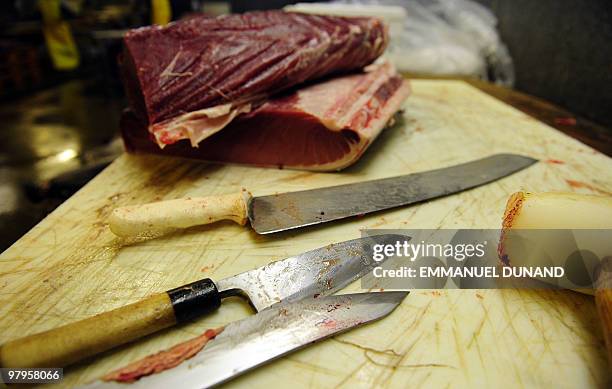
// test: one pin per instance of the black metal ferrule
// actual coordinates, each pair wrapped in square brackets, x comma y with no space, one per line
[195,299]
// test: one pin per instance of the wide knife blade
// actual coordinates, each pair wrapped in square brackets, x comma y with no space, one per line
[270,334]
[319,272]
[275,213]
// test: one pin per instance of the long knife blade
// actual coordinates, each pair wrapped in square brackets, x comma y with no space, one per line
[275,213]
[270,334]
[315,273]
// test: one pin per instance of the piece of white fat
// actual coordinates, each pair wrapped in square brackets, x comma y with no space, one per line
[196,125]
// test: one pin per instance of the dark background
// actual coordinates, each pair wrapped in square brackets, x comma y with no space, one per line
[562,51]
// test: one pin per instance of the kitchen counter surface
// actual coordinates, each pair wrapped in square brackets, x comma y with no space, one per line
[70,266]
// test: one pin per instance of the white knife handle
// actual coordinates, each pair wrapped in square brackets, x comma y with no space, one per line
[154,218]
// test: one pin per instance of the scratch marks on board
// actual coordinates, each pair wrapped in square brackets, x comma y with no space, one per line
[388,352]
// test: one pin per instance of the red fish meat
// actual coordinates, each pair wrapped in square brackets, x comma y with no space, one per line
[191,78]
[163,360]
[324,126]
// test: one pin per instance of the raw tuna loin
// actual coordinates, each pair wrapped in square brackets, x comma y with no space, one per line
[191,78]
[324,126]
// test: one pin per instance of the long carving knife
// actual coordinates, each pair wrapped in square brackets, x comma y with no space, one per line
[318,272]
[274,213]
[272,333]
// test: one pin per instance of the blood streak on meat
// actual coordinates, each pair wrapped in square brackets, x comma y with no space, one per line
[191,78]
[163,360]
[324,126]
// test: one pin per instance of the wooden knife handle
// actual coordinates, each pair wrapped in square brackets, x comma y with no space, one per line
[73,342]
[603,300]
[162,216]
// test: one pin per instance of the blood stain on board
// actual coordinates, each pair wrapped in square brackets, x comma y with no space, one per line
[579,184]
[555,161]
